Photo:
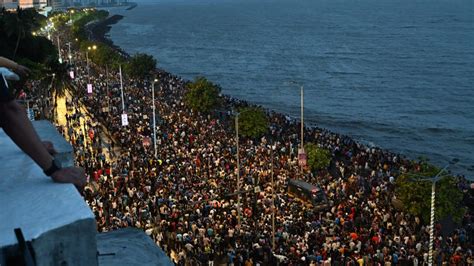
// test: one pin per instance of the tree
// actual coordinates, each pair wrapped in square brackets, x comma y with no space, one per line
[318,158]
[202,95]
[416,195]
[15,27]
[78,28]
[104,55]
[20,25]
[140,66]
[57,77]
[253,122]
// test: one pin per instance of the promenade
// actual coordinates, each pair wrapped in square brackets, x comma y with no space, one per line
[178,198]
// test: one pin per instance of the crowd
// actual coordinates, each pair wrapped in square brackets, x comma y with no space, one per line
[181,197]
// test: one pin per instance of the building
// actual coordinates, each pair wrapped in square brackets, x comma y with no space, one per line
[9,4]
[32,3]
[13,4]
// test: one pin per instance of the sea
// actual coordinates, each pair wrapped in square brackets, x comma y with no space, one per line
[393,74]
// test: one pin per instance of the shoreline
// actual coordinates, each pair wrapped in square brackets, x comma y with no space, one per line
[100,30]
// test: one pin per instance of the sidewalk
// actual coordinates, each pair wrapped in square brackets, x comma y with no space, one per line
[61,111]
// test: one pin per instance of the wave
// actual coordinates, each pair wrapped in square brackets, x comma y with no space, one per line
[409,27]
[440,130]
[343,73]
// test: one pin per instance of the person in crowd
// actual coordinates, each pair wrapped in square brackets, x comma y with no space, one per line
[181,197]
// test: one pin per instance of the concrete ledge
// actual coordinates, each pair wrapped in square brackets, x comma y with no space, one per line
[72,244]
[53,216]
[128,247]
[47,131]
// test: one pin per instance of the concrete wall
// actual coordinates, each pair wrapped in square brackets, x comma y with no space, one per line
[54,217]
[129,246]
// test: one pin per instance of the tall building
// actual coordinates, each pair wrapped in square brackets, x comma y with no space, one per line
[56,4]
[32,3]
[8,4]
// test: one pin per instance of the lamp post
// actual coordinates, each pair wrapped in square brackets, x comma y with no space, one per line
[87,61]
[121,89]
[238,164]
[89,48]
[59,50]
[273,200]
[107,86]
[69,52]
[154,114]
[433,181]
[302,126]
[70,15]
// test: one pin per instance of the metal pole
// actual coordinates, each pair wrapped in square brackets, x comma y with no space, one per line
[28,106]
[432,210]
[87,62]
[238,164]
[107,86]
[154,116]
[121,88]
[432,217]
[59,50]
[69,51]
[302,125]
[273,202]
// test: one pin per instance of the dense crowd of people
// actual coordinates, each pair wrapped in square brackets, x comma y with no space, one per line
[183,197]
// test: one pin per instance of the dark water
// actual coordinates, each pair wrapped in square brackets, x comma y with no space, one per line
[396,74]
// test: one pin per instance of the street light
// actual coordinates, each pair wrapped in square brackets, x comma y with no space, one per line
[154,114]
[433,181]
[87,60]
[69,52]
[94,47]
[273,199]
[301,151]
[70,15]
[238,163]
[59,49]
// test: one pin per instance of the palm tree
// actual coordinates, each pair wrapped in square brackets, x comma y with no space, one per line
[57,79]
[20,25]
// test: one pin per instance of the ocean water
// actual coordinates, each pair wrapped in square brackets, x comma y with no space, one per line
[395,74]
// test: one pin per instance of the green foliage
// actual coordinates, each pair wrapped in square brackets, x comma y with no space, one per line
[318,158]
[37,49]
[16,32]
[202,95]
[57,77]
[78,28]
[416,195]
[59,20]
[103,55]
[253,122]
[140,66]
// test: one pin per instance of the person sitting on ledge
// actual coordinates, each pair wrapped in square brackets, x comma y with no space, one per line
[15,123]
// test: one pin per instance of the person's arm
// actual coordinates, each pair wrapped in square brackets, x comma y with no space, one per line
[19,69]
[16,124]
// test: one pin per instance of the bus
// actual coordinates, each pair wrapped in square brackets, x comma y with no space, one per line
[310,194]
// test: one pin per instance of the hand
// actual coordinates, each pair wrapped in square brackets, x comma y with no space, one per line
[22,70]
[50,147]
[72,175]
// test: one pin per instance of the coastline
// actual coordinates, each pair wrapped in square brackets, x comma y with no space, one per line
[100,30]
